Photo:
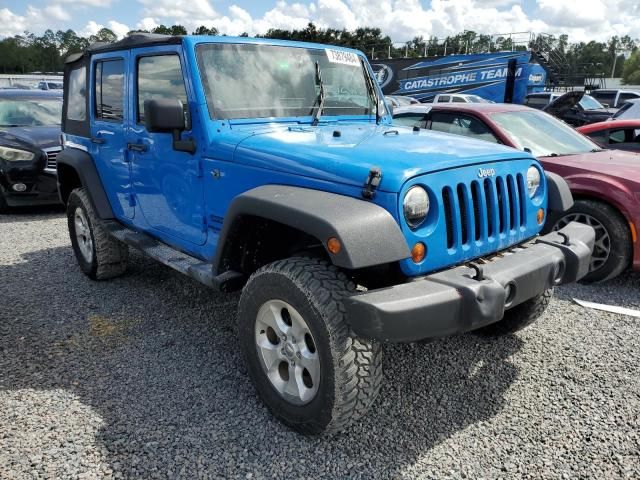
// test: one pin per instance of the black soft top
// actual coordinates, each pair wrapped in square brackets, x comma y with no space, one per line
[136,39]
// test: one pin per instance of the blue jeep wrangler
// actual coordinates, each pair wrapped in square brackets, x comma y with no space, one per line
[273,167]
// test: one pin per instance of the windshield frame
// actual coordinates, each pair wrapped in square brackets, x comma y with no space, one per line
[558,125]
[208,96]
[33,99]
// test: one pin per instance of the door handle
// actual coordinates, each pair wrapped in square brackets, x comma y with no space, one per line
[98,140]
[137,147]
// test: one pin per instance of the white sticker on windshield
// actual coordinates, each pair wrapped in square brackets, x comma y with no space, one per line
[346,58]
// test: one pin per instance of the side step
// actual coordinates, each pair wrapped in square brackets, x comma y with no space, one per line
[171,257]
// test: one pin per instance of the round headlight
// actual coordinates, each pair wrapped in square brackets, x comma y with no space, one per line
[533,181]
[415,206]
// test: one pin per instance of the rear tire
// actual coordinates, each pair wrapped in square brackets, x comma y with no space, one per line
[99,255]
[302,298]
[520,316]
[613,248]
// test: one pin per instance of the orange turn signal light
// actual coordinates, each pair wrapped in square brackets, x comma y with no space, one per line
[334,245]
[418,252]
[540,216]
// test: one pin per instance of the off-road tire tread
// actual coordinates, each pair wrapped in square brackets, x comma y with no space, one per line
[520,316]
[357,362]
[111,255]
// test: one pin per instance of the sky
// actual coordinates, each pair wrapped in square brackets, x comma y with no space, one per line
[582,20]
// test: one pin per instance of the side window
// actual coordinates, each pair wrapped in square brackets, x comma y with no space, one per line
[159,76]
[617,136]
[459,100]
[537,101]
[608,98]
[461,125]
[410,120]
[109,90]
[76,103]
[443,99]
[624,96]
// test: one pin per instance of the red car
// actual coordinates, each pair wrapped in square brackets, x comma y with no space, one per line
[618,134]
[605,183]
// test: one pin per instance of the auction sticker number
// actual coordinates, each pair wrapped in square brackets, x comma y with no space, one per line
[346,58]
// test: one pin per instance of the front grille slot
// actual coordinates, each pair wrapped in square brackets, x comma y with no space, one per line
[523,200]
[512,201]
[464,215]
[448,215]
[477,209]
[490,203]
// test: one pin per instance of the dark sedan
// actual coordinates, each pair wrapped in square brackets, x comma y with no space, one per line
[605,183]
[578,109]
[29,145]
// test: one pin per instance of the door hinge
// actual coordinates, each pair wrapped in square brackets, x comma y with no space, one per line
[204,222]
[372,182]
[200,169]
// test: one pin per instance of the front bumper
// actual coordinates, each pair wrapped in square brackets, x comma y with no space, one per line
[468,297]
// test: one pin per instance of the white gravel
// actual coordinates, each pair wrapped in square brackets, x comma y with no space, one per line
[141,377]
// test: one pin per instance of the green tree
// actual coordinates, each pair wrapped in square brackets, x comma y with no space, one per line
[631,70]
[172,30]
[104,35]
[202,30]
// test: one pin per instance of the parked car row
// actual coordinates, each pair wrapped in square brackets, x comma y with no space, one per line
[605,183]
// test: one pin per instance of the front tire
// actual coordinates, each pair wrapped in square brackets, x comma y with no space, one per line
[613,248]
[308,367]
[520,316]
[99,255]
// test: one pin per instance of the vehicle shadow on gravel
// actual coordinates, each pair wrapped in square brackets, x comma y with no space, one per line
[156,357]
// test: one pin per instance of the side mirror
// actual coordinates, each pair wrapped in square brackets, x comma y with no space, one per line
[166,115]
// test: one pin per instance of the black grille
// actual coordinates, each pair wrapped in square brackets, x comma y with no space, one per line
[52,159]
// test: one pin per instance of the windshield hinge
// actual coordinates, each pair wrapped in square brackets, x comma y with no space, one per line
[373,180]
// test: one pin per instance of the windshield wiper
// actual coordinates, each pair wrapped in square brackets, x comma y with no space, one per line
[372,90]
[320,99]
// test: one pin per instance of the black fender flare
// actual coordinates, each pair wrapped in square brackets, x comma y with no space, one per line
[559,196]
[84,167]
[369,235]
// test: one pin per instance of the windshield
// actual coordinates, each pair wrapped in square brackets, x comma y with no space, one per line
[262,81]
[542,134]
[589,103]
[31,112]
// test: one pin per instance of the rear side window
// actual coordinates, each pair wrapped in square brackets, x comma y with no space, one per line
[77,105]
[459,100]
[537,101]
[109,90]
[620,136]
[461,125]
[159,76]
[443,99]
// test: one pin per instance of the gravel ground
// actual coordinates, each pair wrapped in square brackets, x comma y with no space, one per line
[141,377]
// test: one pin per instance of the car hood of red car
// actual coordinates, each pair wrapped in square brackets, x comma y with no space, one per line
[614,163]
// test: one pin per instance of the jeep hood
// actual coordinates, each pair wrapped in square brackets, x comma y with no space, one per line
[346,152]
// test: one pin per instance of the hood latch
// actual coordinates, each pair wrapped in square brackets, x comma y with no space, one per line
[373,180]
